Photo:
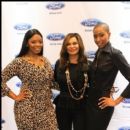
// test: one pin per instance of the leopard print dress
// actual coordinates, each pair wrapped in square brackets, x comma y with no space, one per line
[36,112]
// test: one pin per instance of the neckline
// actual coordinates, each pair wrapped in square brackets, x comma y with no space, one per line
[73,63]
[33,64]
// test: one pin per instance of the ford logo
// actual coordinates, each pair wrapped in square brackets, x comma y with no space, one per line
[90,22]
[126,100]
[90,54]
[126,2]
[22,26]
[124,128]
[125,34]
[55,36]
[55,5]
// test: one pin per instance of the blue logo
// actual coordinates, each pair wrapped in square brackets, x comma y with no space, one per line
[55,36]
[19,84]
[126,100]
[90,54]
[90,22]
[124,128]
[55,5]
[22,26]
[125,34]
[126,2]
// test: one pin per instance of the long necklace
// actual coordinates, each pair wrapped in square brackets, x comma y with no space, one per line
[71,87]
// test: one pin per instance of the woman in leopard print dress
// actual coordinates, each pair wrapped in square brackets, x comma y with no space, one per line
[33,107]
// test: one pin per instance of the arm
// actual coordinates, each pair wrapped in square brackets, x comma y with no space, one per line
[122,65]
[55,75]
[105,102]
[8,72]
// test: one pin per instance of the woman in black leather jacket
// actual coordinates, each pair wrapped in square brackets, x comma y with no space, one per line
[108,61]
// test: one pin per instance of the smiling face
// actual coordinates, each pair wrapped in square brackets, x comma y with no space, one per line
[35,44]
[72,46]
[101,35]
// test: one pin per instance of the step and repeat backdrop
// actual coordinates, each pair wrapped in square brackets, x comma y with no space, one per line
[54,20]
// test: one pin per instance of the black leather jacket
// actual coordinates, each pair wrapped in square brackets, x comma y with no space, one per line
[104,70]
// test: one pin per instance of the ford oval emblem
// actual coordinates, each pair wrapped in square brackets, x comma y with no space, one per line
[55,5]
[55,36]
[90,22]
[124,128]
[126,100]
[125,34]
[90,54]
[22,26]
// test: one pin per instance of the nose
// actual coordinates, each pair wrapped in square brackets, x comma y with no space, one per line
[71,45]
[38,44]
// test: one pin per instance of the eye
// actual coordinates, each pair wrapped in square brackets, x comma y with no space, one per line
[98,35]
[101,35]
[68,44]
[74,43]
[33,42]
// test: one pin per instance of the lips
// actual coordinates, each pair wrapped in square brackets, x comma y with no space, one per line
[72,50]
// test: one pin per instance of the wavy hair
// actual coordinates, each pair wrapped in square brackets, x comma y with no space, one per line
[27,36]
[64,56]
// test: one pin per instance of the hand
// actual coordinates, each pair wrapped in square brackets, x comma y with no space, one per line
[105,102]
[24,94]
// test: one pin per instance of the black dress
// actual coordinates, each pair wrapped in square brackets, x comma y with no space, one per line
[68,110]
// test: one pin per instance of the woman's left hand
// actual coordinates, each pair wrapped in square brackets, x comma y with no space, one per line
[105,102]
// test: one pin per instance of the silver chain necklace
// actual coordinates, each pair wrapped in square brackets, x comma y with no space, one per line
[71,87]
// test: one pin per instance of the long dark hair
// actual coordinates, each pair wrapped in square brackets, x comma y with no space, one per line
[64,56]
[27,36]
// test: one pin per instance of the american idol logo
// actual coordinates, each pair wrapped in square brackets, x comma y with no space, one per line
[22,26]
[55,5]
[126,100]
[125,34]
[90,54]
[124,128]
[55,36]
[90,22]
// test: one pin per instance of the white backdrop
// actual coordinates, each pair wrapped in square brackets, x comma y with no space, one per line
[54,20]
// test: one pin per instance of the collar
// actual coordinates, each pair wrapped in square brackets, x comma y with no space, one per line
[106,49]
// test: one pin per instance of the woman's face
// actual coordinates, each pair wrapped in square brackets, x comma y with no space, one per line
[101,36]
[35,44]
[72,46]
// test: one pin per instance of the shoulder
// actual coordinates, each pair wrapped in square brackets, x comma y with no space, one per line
[57,62]
[17,60]
[115,52]
[45,59]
